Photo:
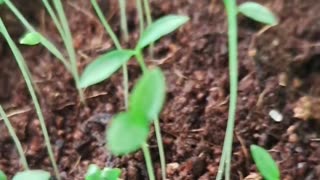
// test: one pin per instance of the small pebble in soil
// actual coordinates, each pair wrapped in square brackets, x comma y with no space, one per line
[276,115]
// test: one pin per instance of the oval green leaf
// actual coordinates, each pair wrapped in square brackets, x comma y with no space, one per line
[2,176]
[30,38]
[126,135]
[32,174]
[104,66]
[93,172]
[148,95]
[265,164]
[159,28]
[110,174]
[258,13]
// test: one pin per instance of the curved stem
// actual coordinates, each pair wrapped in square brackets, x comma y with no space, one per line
[15,138]
[140,60]
[19,59]
[160,148]
[231,9]
[148,160]
[106,24]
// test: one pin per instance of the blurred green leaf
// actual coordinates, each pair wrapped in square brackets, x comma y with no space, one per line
[126,134]
[2,176]
[104,66]
[159,28]
[93,172]
[110,174]
[258,13]
[30,38]
[148,95]
[1,2]
[32,174]
[265,164]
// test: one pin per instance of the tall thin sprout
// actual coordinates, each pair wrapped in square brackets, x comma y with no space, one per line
[69,45]
[123,20]
[118,46]
[20,61]
[225,161]
[15,138]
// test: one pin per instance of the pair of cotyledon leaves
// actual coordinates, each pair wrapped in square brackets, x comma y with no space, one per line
[95,173]
[129,130]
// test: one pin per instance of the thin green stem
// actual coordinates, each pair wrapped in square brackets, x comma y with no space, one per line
[148,160]
[54,18]
[147,10]
[106,24]
[118,46]
[140,60]
[19,59]
[160,148]
[44,41]
[140,14]
[123,20]
[15,138]
[69,46]
[231,8]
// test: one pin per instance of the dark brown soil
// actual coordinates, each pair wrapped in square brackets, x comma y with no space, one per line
[193,121]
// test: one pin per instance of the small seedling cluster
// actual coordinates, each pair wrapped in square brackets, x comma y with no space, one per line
[95,173]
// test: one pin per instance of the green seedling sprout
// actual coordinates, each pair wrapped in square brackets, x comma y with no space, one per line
[265,164]
[129,131]
[2,175]
[258,13]
[123,20]
[95,173]
[232,11]
[31,38]
[108,63]
[26,75]
[15,139]
[62,25]
[32,174]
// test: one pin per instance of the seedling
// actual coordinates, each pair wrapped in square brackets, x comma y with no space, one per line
[95,173]
[105,65]
[129,130]
[265,164]
[123,20]
[26,75]
[232,11]
[33,37]
[15,139]
[2,175]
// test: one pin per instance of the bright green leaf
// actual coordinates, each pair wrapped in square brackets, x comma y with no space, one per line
[1,2]
[104,66]
[258,13]
[126,135]
[159,28]
[2,176]
[110,174]
[93,172]
[31,38]
[148,95]
[265,164]
[32,174]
